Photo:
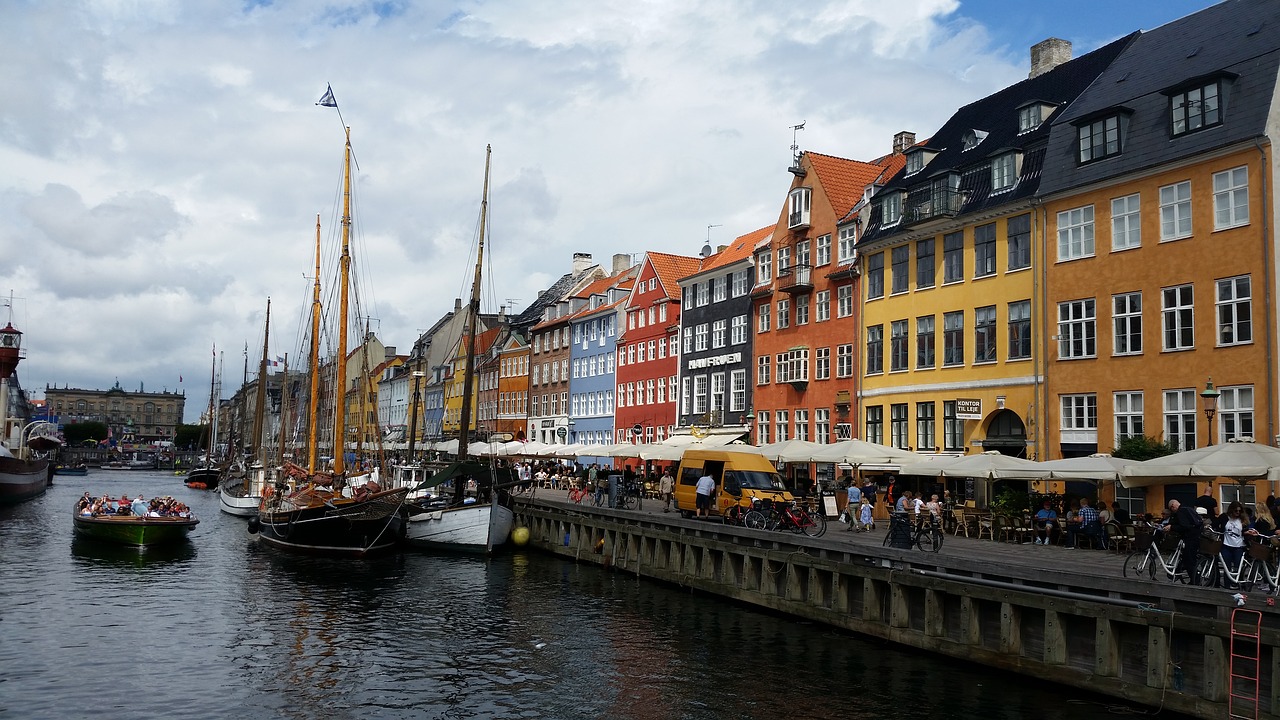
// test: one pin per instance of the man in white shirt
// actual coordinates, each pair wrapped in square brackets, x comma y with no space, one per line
[703,492]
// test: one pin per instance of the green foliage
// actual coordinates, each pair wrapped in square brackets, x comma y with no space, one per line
[1143,447]
[1009,502]
[194,436]
[77,433]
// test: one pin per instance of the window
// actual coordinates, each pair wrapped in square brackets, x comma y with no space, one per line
[875,349]
[915,162]
[1004,171]
[898,424]
[762,370]
[719,328]
[845,250]
[984,250]
[1235,412]
[784,260]
[703,292]
[717,394]
[844,301]
[1194,109]
[739,283]
[737,390]
[738,331]
[984,334]
[688,339]
[822,364]
[898,345]
[924,264]
[700,337]
[1075,233]
[844,361]
[762,427]
[802,310]
[1180,418]
[901,264]
[822,425]
[762,323]
[802,253]
[1020,330]
[1235,326]
[1231,198]
[924,342]
[926,437]
[1126,315]
[784,314]
[952,428]
[1099,139]
[1126,222]
[891,208]
[1178,317]
[953,338]
[1080,419]
[798,208]
[719,289]
[875,276]
[822,305]
[1030,117]
[1076,328]
[699,394]
[1128,415]
[1018,231]
[802,425]
[822,250]
[780,419]
[953,257]
[764,267]
[1175,211]
[793,365]
[875,424]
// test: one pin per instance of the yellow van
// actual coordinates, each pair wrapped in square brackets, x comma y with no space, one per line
[740,477]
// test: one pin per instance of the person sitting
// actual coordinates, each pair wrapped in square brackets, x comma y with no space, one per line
[1045,520]
[86,510]
[1088,526]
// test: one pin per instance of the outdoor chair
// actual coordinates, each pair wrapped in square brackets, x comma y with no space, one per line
[961,522]
[986,526]
[1116,538]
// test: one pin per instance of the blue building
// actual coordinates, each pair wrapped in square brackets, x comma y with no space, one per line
[592,357]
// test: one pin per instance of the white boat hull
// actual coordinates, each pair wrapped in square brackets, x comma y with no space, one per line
[470,528]
[246,506]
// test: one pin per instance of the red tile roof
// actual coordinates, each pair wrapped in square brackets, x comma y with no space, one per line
[670,268]
[739,249]
[845,180]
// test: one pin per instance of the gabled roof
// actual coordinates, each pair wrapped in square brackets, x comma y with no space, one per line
[670,268]
[740,249]
[1238,37]
[845,180]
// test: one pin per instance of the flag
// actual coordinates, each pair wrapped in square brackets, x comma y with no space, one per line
[179,378]
[275,366]
[327,100]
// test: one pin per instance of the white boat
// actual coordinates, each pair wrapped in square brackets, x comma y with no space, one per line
[474,524]
[241,496]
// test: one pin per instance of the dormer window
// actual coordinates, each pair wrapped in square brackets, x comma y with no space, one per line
[798,208]
[918,158]
[1196,108]
[1032,115]
[1004,171]
[972,139]
[891,209]
[1099,138]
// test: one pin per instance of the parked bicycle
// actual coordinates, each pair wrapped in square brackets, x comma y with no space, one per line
[1149,557]
[925,534]
[768,515]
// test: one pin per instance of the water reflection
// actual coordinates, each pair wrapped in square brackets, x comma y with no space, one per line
[97,553]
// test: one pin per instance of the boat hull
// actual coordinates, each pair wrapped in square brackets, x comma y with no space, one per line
[339,528]
[202,477]
[71,471]
[234,503]
[23,479]
[470,528]
[133,530]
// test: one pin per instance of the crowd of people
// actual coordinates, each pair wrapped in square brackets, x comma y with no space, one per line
[89,506]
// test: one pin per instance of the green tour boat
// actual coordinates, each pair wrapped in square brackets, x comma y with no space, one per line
[134,530]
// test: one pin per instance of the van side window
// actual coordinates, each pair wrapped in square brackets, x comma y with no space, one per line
[731,483]
[689,475]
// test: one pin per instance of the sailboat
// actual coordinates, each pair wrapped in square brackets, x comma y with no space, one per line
[205,474]
[241,494]
[26,468]
[468,524]
[311,513]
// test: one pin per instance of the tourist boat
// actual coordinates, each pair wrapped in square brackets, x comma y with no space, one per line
[71,470]
[468,524]
[311,514]
[26,448]
[134,530]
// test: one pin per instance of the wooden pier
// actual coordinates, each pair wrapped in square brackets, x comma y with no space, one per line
[1054,613]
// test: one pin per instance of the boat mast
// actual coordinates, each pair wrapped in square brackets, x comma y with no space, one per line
[284,413]
[471,328]
[313,421]
[261,400]
[344,272]
[213,424]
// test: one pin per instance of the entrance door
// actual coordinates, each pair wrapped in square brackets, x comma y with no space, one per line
[1007,434]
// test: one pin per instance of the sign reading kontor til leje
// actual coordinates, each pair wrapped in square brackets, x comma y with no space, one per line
[968,409]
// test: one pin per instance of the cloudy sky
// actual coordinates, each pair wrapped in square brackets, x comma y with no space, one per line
[162,162]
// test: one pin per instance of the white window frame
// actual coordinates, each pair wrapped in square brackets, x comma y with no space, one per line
[1077,329]
[1180,412]
[1233,303]
[1079,418]
[1175,211]
[822,250]
[1075,233]
[822,306]
[1231,198]
[764,318]
[1128,415]
[844,301]
[1177,318]
[738,330]
[1126,222]
[1235,412]
[1126,323]
[845,251]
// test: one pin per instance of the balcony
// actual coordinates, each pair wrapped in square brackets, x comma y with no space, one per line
[797,280]
[935,205]
[798,220]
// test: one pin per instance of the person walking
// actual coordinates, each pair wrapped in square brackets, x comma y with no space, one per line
[703,492]
[665,487]
[852,507]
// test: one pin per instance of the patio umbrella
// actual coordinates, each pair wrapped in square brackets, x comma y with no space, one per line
[447,446]
[1239,459]
[861,452]
[1099,466]
[790,450]
[990,465]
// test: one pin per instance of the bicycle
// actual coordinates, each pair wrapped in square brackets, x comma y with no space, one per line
[578,494]
[926,534]
[1148,557]
[797,519]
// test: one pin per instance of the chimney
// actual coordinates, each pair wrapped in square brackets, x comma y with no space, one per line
[721,248]
[621,262]
[1049,54]
[581,261]
[902,141]
[457,305]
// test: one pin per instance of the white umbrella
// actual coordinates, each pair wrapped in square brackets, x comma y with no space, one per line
[861,452]
[1099,466]
[790,451]
[1240,460]
[991,465]
[447,446]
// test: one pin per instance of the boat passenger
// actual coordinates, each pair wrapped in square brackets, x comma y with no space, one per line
[139,506]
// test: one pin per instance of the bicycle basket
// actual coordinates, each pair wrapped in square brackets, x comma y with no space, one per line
[1142,541]
[1258,551]
[763,504]
[1168,542]
[1210,546]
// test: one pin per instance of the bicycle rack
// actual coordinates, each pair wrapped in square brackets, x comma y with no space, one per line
[1246,646]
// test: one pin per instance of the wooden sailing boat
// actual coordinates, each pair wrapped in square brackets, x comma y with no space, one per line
[469,524]
[241,495]
[205,474]
[312,513]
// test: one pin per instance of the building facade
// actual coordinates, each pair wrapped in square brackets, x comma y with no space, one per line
[146,417]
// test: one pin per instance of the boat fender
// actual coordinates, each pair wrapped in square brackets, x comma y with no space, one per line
[254,525]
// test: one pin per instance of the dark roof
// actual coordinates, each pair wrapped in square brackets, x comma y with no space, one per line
[997,115]
[1239,37]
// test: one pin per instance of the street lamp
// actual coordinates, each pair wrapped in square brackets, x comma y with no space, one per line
[750,419]
[1210,396]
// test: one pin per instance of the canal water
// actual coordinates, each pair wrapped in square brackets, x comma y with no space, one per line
[221,627]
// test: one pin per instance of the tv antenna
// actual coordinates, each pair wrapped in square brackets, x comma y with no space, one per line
[795,145]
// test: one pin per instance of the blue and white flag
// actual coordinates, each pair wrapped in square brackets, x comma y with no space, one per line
[328,100]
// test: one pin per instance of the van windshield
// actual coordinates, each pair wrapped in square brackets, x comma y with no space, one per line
[756,480]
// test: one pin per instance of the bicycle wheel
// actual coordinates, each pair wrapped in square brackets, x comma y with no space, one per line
[599,500]
[929,540]
[627,502]
[755,520]
[1138,564]
[816,524]
[1207,570]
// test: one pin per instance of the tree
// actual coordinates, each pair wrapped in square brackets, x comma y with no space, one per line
[190,436]
[77,433]
[1142,447]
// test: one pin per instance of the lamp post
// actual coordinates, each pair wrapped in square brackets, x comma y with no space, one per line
[750,420]
[1210,396]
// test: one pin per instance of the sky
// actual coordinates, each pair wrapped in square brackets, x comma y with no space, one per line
[163,162]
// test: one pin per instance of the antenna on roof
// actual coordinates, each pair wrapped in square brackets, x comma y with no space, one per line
[795,145]
[706,249]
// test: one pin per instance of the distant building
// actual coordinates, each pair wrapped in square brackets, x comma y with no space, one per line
[141,417]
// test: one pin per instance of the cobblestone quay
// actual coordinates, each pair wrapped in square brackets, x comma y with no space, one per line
[1059,614]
